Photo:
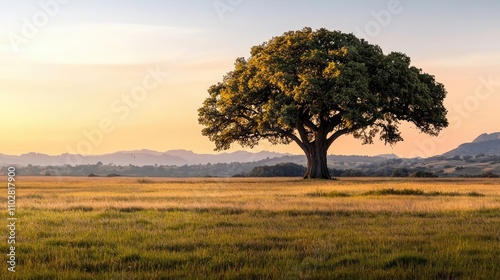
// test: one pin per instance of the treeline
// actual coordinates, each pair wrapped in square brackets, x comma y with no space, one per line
[279,170]
[210,170]
[479,158]
[295,170]
[100,170]
[431,167]
[483,175]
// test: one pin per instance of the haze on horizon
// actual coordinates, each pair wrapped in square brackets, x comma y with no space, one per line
[96,77]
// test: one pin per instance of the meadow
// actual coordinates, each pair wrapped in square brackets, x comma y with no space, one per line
[241,228]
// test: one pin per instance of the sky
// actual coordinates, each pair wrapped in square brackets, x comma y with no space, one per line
[99,76]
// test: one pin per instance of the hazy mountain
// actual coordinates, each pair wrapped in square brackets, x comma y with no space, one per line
[176,157]
[388,156]
[488,144]
[40,159]
[239,156]
[487,137]
[138,158]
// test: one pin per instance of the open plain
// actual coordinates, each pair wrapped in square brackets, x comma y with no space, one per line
[243,228]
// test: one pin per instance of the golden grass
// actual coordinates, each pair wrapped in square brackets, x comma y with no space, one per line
[276,194]
[133,228]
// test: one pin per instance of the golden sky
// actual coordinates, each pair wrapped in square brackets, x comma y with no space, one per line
[94,80]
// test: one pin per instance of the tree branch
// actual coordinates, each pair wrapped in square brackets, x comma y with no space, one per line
[334,121]
[302,132]
[293,137]
[307,122]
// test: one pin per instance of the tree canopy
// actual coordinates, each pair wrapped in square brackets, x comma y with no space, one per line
[311,87]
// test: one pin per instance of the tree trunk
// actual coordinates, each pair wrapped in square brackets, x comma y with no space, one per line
[317,167]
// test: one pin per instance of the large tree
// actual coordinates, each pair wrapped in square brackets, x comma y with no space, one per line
[311,87]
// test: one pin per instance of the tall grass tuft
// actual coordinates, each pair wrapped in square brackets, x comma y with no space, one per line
[416,192]
[328,194]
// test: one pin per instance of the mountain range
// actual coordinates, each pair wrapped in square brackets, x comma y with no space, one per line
[138,158]
[487,144]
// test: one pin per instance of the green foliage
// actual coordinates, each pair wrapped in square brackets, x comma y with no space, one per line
[279,170]
[361,167]
[218,169]
[312,87]
[423,174]
[400,172]
[488,174]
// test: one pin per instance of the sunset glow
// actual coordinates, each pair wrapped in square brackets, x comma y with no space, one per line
[128,75]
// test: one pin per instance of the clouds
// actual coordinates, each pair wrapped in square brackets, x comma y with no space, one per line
[106,44]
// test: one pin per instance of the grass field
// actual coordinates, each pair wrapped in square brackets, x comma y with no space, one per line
[132,228]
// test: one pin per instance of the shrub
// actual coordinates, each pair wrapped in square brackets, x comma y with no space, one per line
[423,174]
[400,172]
[396,192]
[278,170]
[329,194]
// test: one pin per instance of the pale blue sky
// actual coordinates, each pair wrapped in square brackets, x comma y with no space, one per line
[260,19]
[63,80]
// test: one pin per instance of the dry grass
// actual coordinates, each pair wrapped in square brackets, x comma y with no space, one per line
[132,228]
[253,194]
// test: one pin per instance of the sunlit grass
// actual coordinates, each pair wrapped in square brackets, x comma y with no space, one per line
[252,194]
[129,228]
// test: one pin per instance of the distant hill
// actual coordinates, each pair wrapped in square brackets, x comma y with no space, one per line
[487,137]
[182,157]
[183,164]
[488,144]
[239,156]
[388,156]
[138,158]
